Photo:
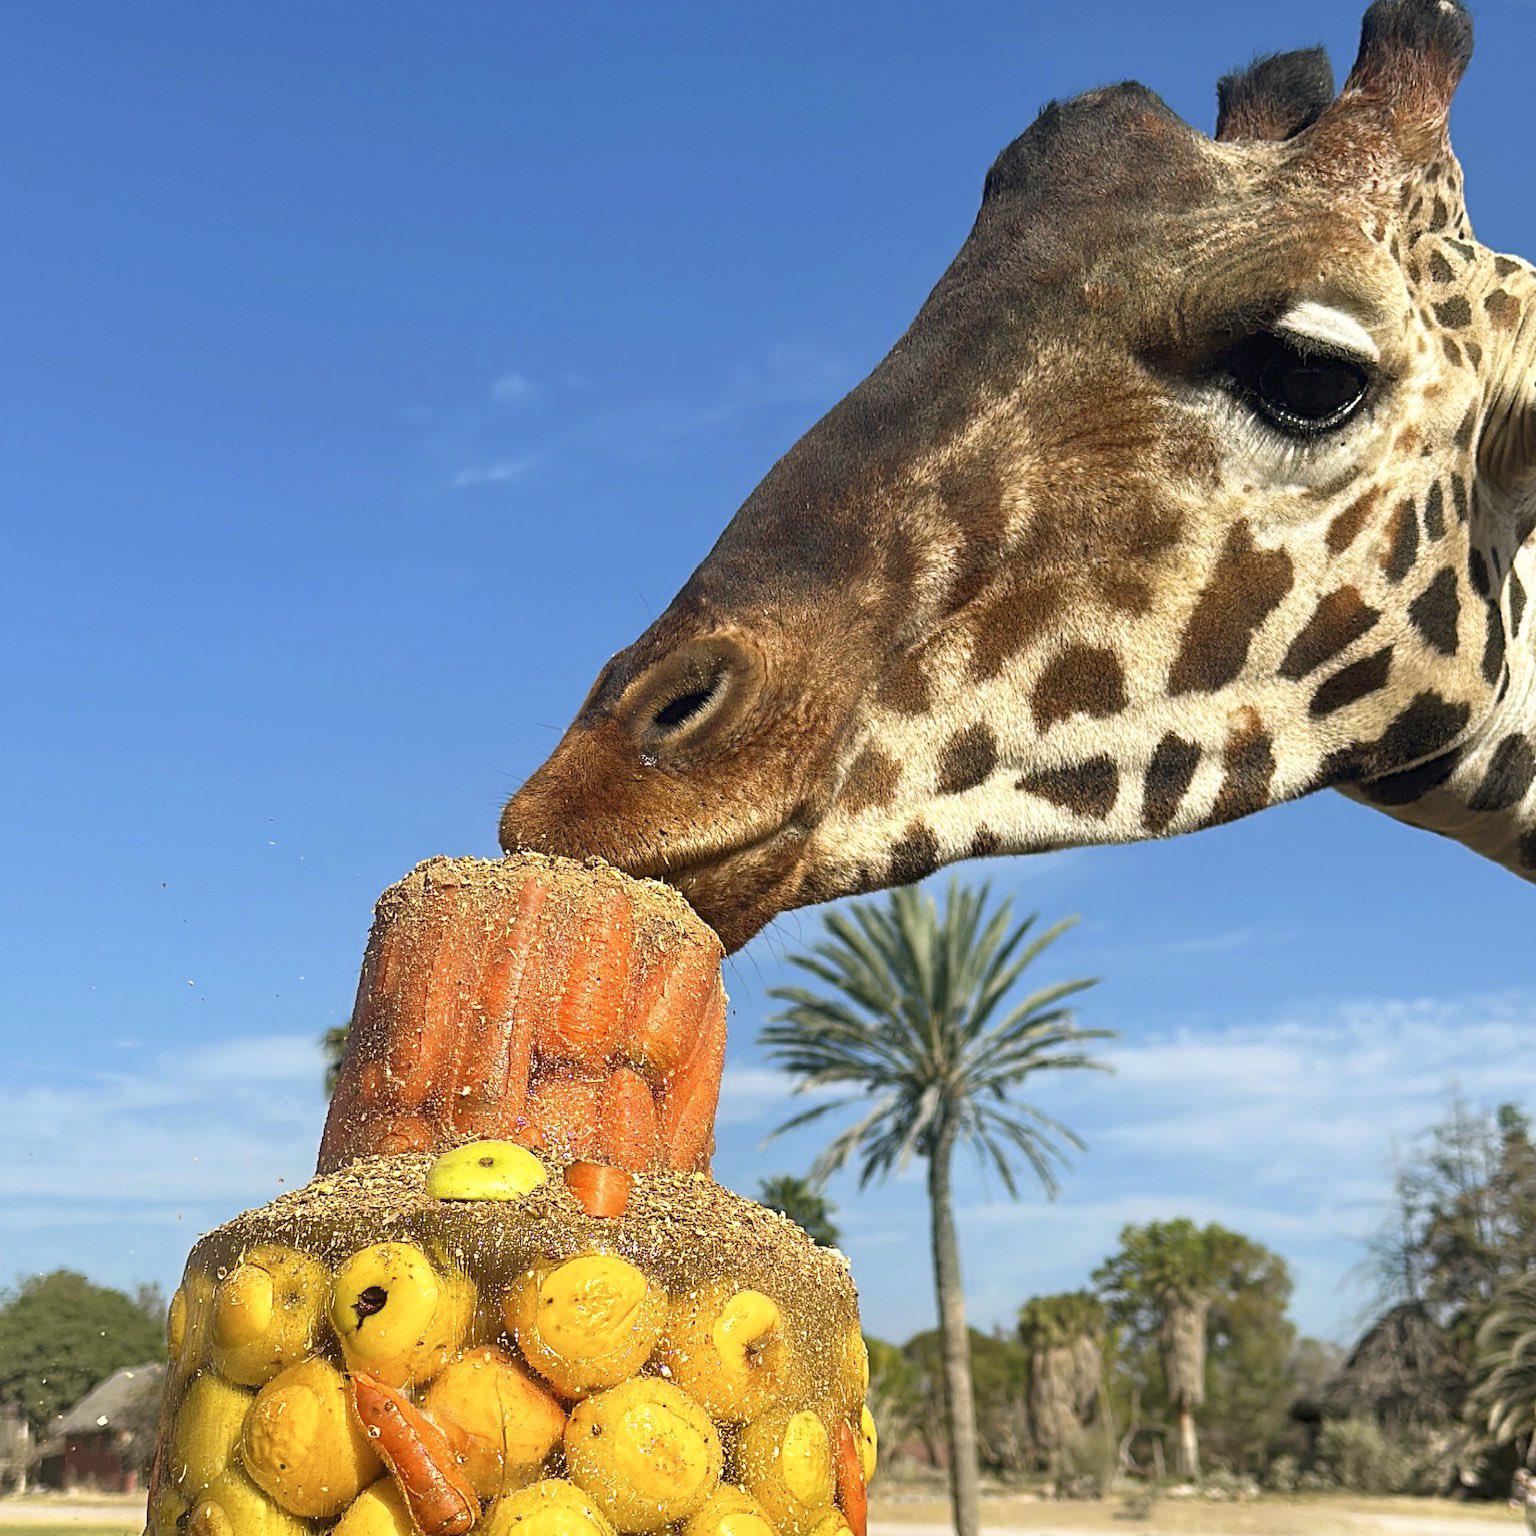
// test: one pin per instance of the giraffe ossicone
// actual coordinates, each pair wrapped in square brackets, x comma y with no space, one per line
[1204,479]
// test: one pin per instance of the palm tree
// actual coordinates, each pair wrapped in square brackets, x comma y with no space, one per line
[1504,1389]
[915,1018]
[1173,1270]
[1064,1336]
[804,1203]
[333,1043]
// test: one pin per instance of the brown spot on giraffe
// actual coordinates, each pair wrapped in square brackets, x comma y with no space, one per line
[1339,619]
[1401,547]
[1088,788]
[1412,784]
[1245,588]
[905,687]
[1080,680]
[1248,763]
[1356,681]
[1495,646]
[1169,775]
[1503,309]
[968,758]
[1511,773]
[1000,626]
[1455,312]
[914,857]
[871,781]
[1434,512]
[1346,525]
[1436,612]
[1430,724]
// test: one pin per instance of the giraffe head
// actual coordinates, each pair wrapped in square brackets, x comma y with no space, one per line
[1203,479]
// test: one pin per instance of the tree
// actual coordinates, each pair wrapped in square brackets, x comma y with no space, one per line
[60,1335]
[804,1202]
[999,1370]
[1504,1385]
[1450,1262]
[1064,1335]
[915,1019]
[1173,1285]
[334,1044]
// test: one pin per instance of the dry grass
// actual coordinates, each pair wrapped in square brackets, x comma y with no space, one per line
[1319,1515]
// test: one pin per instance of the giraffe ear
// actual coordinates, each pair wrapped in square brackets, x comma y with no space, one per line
[1412,56]
[1274,98]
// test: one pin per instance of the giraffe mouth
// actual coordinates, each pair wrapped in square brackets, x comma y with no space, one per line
[739,888]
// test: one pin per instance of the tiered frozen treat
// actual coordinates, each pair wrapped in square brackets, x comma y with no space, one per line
[513,1300]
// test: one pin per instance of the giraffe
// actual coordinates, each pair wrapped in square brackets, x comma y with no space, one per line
[1205,478]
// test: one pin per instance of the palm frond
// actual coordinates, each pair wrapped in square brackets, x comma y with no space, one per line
[917,1009]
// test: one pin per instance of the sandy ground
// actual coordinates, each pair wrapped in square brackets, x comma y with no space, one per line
[1196,1517]
[1002,1517]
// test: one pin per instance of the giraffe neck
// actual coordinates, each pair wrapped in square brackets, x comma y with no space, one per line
[1483,793]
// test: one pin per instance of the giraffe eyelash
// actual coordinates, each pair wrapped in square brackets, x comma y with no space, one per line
[1281,456]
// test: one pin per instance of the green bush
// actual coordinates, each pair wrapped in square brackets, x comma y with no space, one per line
[1354,1454]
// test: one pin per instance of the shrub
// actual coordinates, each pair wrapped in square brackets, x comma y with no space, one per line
[1355,1455]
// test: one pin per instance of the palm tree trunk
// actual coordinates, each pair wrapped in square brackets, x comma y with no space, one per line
[964,1473]
[1189,1444]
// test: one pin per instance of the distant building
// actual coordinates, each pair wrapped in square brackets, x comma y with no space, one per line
[104,1441]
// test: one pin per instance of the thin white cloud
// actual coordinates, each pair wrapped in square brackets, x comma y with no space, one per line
[751,1094]
[496,473]
[227,1122]
[1285,1129]
[511,389]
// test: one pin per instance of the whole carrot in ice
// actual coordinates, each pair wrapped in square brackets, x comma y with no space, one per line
[851,1492]
[419,1458]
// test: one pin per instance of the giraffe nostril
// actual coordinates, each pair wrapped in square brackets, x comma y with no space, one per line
[691,695]
[687,706]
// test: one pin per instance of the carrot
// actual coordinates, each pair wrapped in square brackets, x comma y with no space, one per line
[628,1125]
[496,1056]
[688,1101]
[595,949]
[851,1493]
[670,994]
[602,1190]
[496,995]
[405,1133]
[418,1456]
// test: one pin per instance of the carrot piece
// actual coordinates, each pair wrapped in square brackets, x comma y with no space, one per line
[671,990]
[595,943]
[688,1102]
[418,1456]
[851,1492]
[602,1189]
[496,1056]
[628,1126]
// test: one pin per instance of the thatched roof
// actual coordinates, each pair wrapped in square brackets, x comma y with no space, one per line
[114,1402]
[1403,1368]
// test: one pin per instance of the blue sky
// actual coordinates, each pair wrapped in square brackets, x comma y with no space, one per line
[372,373]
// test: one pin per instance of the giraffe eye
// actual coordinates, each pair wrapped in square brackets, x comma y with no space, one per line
[1299,391]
